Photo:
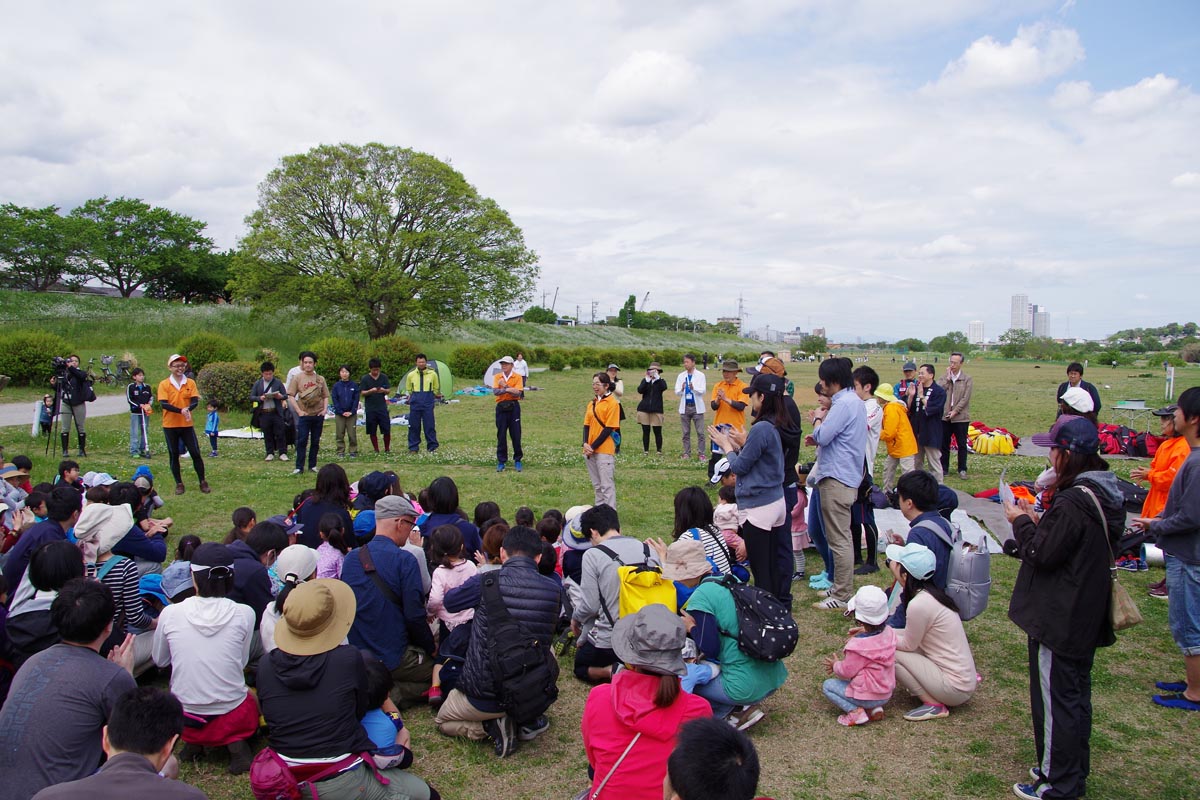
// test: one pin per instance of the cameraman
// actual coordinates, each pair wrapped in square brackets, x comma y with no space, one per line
[76,391]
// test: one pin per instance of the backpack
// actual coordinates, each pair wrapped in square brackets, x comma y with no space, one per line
[639,585]
[766,630]
[523,667]
[969,576]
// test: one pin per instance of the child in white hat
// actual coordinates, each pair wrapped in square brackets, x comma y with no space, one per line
[863,680]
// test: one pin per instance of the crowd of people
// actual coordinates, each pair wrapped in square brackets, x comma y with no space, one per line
[360,601]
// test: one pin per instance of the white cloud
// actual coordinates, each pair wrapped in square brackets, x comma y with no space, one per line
[948,245]
[1186,180]
[1037,52]
[647,88]
[1146,95]
[1071,94]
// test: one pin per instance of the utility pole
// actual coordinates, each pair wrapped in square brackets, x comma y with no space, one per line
[544,293]
[741,316]
[595,304]
[576,313]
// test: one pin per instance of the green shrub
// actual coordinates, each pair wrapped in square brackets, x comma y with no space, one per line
[470,362]
[576,357]
[267,354]
[396,355]
[506,348]
[538,355]
[202,349]
[25,356]
[557,361]
[335,351]
[228,383]
[670,359]
[1191,353]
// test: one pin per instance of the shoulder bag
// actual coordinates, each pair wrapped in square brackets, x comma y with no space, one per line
[1123,611]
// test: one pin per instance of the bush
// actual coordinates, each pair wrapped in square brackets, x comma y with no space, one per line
[25,355]
[396,355]
[470,362]
[228,383]
[506,348]
[267,354]
[202,349]
[1191,353]
[670,359]
[557,361]
[333,352]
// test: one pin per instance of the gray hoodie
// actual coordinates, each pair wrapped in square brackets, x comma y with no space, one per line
[1178,527]
[206,641]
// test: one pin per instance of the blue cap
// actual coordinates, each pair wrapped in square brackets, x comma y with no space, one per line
[143,471]
[364,523]
[151,584]
[916,558]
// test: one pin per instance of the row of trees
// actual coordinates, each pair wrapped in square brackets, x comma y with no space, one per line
[123,243]
[1017,343]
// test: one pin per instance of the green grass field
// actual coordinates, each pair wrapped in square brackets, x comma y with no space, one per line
[1138,749]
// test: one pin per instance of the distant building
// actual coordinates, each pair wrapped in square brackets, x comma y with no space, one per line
[1020,318]
[975,332]
[736,322]
[766,335]
[819,332]
[794,336]
[1041,322]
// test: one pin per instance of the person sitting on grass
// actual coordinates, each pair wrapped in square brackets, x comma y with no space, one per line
[643,704]
[177,576]
[63,508]
[918,498]
[252,584]
[863,681]
[206,641]
[933,657]
[66,694]
[711,761]
[138,740]
[453,570]
[335,544]
[68,474]
[297,564]
[315,696]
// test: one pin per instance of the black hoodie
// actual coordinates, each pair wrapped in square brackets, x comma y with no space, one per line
[314,705]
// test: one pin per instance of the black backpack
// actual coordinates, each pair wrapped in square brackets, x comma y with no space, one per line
[523,667]
[766,630]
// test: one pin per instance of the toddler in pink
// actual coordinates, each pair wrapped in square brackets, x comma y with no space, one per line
[864,679]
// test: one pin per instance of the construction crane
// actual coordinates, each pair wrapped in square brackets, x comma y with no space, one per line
[642,307]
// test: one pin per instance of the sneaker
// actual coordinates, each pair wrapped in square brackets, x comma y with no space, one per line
[270,457]
[876,714]
[1036,774]
[1142,565]
[434,696]
[829,604]
[856,717]
[1158,591]
[746,717]
[927,711]
[204,489]
[354,455]
[185,454]
[501,732]
[825,593]
[517,466]
[1028,791]
[297,471]
[867,569]
[797,576]
[500,467]
[962,473]
[1176,700]
[213,454]
[312,469]
[1127,564]
[239,758]
[527,733]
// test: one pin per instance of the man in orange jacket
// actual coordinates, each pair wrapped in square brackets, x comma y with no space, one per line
[1167,460]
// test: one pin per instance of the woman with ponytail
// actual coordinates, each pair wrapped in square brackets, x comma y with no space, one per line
[335,544]
[206,641]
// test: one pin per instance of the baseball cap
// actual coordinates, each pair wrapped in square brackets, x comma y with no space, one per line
[298,560]
[506,360]
[290,528]
[869,605]
[1070,433]
[769,365]
[765,383]
[916,558]
[910,366]
[394,506]
[1078,398]
[176,357]
[1165,411]
[613,366]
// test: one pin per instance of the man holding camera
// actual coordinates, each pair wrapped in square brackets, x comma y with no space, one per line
[76,392]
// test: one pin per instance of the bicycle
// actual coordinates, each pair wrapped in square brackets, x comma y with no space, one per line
[109,377]
[90,372]
[123,373]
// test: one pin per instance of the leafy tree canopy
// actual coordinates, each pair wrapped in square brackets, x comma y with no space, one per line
[952,342]
[386,234]
[37,246]
[905,345]
[540,315]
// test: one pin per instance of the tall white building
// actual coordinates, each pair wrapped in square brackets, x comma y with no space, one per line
[975,331]
[1021,318]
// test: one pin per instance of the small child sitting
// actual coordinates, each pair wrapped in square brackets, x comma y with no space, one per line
[864,680]
[550,529]
[725,518]
[335,544]
[453,570]
[382,723]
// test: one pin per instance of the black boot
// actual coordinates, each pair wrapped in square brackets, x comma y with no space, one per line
[239,758]
[66,443]
[83,445]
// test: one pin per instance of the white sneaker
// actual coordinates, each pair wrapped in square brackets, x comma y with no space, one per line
[271,457]
[297,471]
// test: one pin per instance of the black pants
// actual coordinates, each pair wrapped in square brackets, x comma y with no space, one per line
[1060,699]
[508,423]
[959,431]
[183,438]
[274,432]
[862,519]
[657,438]
[763,550]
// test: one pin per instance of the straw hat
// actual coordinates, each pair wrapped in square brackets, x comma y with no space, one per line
[316,617]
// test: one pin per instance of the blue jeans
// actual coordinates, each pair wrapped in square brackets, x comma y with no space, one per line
[308,428]
[1183,612]
[722,704]
[835,690]
[421,416]
[138,442]
[816,530]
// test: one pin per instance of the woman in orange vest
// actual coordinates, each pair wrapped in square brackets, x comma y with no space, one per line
[601,421]
[178,397]
[1167,460]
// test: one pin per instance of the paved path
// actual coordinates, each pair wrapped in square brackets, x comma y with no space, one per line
[22,413]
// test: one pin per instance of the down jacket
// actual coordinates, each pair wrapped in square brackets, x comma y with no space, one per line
[532,599]
[1062,594]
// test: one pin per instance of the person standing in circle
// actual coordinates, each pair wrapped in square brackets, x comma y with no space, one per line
[650,407]
[601,421]
[509,389]
[178,396]
[309,395]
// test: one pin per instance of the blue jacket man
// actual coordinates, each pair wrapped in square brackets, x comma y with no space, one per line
[423,387]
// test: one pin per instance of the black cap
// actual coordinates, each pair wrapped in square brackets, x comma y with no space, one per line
[212,554]
[1165,411]
[765,384]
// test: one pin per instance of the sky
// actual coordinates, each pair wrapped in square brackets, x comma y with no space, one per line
[878,168]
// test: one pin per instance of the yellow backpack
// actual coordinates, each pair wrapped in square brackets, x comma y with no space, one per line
[640,585]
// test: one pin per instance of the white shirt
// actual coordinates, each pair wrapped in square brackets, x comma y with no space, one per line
[521,367]
[698,389]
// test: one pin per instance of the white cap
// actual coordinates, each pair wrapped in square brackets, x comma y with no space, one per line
[869,605]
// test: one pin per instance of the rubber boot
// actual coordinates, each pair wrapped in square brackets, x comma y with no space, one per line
[387,443]
[66,443]
[83,445]
[239,758]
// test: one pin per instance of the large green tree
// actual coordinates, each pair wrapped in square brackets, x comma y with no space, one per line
[1014,342]
[386,234]
[199,276]
[954,341]
[127,243]
[37,246]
